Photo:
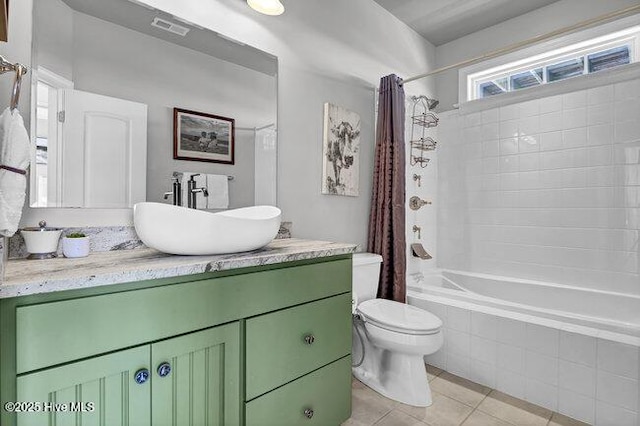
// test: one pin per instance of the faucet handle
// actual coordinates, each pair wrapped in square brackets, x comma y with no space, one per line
[193,176]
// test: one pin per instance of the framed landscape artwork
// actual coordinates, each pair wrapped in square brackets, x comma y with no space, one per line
[198,136]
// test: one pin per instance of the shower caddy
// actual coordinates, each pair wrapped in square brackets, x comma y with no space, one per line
[421,120]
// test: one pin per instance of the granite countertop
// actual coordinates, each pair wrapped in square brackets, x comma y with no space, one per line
[25,277]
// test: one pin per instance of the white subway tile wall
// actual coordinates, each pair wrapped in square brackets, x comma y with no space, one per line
[546,189]
[585,377]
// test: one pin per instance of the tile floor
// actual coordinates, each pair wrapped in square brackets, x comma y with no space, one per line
[456,402]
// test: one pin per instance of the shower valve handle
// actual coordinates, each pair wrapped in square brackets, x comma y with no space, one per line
[416,202]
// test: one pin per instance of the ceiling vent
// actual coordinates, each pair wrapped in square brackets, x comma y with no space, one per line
[169,26]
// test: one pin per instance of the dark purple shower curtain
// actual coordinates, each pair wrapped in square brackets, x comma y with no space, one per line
[387,217]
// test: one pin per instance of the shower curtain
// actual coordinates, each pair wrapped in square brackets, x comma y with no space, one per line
[387,217]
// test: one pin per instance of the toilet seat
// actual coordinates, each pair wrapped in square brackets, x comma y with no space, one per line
[399,317]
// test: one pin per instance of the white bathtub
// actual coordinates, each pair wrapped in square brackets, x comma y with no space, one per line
[568,349]
[602,310]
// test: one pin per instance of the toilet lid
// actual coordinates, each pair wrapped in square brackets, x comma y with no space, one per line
[399,316]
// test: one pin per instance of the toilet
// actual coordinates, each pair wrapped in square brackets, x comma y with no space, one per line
[395,338]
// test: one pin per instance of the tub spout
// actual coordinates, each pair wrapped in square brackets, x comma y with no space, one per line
[419,251]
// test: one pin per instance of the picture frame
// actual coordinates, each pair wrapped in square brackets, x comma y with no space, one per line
[198,136]
[341,151]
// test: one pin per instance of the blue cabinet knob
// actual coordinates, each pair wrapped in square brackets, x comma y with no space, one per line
[164,369]
[141,376]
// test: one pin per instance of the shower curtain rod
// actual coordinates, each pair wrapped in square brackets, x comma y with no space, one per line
[537,39]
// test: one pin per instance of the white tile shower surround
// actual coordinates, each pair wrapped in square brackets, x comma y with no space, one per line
[582,376]
[547,189]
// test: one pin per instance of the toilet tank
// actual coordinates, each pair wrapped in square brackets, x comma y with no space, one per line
[366,273]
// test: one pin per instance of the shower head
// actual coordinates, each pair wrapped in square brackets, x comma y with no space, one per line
[432,103]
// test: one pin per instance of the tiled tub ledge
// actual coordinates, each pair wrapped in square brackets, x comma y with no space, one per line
[25,277]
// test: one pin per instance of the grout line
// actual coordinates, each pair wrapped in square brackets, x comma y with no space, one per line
[466,418]
[476,407]
[381,418]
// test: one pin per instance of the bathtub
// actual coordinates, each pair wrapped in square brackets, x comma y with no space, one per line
[568,349]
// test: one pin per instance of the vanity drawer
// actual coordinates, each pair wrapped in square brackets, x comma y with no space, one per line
[325,393]
[52,333]
[284,345]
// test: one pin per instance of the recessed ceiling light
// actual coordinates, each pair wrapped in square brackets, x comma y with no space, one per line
[267,7]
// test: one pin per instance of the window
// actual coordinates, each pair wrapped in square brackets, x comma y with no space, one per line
[583,58]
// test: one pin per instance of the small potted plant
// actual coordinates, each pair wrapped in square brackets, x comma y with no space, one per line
[75,245]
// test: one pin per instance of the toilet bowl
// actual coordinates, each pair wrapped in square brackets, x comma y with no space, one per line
[395,338]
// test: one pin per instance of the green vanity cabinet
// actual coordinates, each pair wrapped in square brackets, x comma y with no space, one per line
[260,346]
[202,386]
[106,381]
[191,379]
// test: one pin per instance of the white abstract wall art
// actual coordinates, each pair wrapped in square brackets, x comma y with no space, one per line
[341,151]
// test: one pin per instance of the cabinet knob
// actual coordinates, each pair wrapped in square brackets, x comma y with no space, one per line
[308,412]
[141,376]
[164,369]
[309,339]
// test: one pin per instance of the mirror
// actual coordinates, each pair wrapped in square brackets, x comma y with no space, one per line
[110,83]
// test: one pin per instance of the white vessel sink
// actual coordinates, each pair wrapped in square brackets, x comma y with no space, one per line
[179,230]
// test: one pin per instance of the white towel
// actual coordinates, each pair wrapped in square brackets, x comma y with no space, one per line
[201,182]
[218,191]
[15,151]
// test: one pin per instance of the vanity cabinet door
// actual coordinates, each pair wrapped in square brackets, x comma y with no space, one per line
[112,391]
[196,378]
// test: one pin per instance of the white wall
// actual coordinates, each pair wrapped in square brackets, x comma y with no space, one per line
[328,51]
[546,189]
[544,20]
[17,49]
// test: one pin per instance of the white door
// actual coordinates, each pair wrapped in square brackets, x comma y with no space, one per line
[104,151]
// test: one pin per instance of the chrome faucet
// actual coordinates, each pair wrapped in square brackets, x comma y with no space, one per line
[192,192]
[176,193]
